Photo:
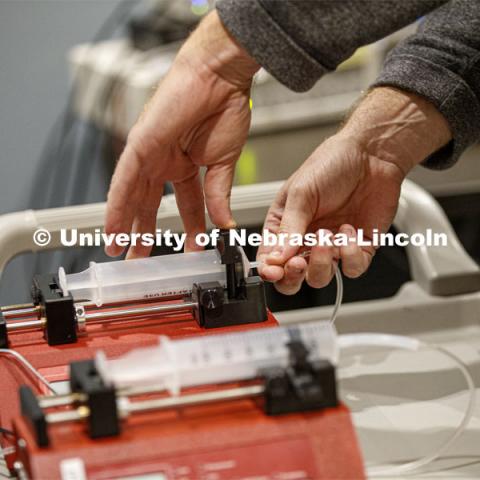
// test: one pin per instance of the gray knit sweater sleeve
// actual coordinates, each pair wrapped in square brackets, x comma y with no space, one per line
[442,63]
[298,41]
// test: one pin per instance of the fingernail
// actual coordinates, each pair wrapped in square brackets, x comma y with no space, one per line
[351,231]
[276,253]
[279,249]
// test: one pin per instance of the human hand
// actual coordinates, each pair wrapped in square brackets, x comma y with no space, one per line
[351,181]
[198,117]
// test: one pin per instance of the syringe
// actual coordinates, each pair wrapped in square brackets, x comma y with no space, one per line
[157,277]
[146,278]
[177,364]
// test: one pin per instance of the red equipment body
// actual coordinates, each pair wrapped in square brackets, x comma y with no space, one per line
[226,441]
[221,441]
[115,337]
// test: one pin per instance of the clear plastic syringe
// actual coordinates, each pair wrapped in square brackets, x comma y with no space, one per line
[145,278]
[177,364]
[156,277]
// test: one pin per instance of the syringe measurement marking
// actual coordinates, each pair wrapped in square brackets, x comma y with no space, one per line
[258,345]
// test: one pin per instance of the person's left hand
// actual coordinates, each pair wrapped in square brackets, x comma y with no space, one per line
[351,181]
[339,189]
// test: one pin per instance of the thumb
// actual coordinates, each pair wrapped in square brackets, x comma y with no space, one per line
[296,218]
[217,187]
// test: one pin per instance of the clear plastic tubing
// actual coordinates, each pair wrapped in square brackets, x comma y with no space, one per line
[220,358]
[145,278]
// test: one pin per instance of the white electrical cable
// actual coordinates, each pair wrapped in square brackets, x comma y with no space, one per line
[406,343]
[20,358]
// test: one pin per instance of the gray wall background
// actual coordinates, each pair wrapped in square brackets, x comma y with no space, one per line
[35,36]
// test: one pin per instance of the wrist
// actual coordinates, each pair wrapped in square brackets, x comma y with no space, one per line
[398,127]
[212,50]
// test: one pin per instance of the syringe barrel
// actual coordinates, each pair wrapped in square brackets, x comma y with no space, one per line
[146,278]
[176,364]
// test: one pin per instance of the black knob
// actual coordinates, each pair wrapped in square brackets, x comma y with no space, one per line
[211,299]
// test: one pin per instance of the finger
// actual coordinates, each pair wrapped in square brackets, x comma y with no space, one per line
[145,220]
[271,273]
[129,217]
[122,198]
[217,187]
[295,270]
[355,261]
[191,206]
[295,219]
[320,265]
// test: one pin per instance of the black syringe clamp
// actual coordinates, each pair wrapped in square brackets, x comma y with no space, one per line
[303,386]
[103,418]
[241,302]
[3,332]
[33,413]
[57,309]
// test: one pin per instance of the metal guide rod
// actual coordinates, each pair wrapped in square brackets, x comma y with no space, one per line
[19,306]
[104,315]
[68,415]
[191,399]
[140,390]
[51,401]
[12,326]
[20,311]
[127,407]
[140,310]
[24,309]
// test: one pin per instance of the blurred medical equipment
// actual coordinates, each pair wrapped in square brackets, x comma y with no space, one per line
[444,293]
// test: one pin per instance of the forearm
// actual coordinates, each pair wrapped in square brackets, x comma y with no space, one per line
[398,127]
[211,49]
[441,63]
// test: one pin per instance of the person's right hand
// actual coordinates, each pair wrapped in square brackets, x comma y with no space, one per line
[199,116]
